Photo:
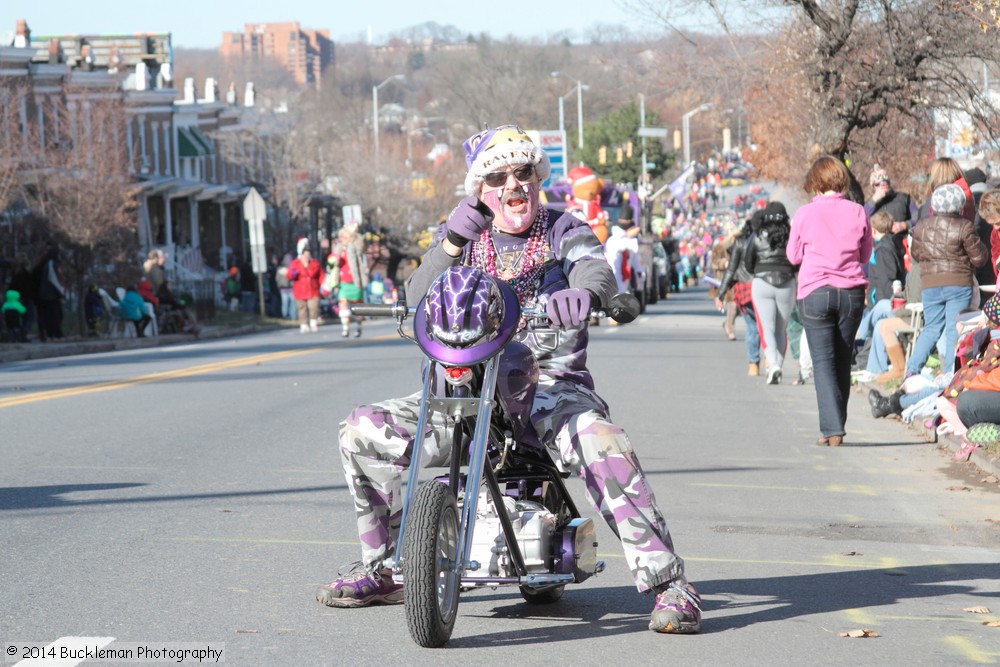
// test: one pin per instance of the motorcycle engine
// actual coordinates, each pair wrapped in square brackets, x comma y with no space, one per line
[534,527]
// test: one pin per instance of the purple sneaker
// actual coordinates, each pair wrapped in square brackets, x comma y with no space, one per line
[677,610]
[359,588]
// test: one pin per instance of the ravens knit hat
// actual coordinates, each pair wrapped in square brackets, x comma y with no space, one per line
[500,147]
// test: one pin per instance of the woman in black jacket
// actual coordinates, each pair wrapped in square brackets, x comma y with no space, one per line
[737,278]
[773,284]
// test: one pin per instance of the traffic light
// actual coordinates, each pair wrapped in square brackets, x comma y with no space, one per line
[628,150]
[618,155]
[602,155]
[677,140]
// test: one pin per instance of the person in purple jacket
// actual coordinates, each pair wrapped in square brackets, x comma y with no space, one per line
[831,239]
[548,257]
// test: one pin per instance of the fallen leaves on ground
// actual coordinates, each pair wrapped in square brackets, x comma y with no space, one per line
[992,479]
[977,610]
[959,488]
[863,633]
[992,624]
[852,553]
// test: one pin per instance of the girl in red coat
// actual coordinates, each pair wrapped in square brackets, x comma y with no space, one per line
[306,275]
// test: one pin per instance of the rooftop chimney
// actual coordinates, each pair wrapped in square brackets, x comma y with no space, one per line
[22,36]
[211,90]
[55,50]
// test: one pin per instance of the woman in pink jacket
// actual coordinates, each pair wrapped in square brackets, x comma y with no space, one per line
[306,275]
[831,239]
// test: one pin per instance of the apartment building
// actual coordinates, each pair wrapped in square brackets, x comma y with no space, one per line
[303,52]
[185,150]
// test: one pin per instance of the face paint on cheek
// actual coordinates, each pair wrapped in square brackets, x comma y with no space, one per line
[492,199]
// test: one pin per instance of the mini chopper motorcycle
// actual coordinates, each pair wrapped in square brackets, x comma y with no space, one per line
[502,515]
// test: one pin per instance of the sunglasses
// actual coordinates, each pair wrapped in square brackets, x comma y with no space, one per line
[495,179]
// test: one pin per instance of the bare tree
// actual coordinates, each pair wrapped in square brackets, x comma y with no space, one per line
[270,79]
[492,83]
[11,145]
[82,186]
[14,236]
[985,12]
[860,66]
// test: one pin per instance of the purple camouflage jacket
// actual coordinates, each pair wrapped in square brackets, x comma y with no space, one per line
[574,258]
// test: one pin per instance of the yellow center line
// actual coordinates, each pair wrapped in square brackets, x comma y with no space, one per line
[152,377]
[969,651]
[172,375]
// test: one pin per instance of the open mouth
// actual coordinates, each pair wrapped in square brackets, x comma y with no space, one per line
[515,202]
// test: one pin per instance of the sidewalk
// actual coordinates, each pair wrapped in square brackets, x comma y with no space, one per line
[988,463]
[10,352]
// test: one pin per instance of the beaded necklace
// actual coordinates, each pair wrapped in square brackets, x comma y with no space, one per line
[525,275]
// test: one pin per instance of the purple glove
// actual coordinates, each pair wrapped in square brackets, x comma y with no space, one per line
[568,307]
[468,220]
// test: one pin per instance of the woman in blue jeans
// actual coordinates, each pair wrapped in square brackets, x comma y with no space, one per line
[948,249]
[830,240]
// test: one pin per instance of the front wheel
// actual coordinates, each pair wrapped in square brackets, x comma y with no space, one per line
[430,572]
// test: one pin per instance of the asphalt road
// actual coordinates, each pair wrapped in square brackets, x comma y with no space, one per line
[193,495]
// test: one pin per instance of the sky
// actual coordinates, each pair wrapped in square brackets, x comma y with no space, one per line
[200,23]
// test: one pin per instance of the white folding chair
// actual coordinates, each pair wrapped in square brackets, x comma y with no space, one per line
[117,326]
[916,324]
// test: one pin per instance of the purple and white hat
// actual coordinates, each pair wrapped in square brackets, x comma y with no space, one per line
[497,148]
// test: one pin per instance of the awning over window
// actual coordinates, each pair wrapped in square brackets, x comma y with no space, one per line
[192,143]
[200,137]
[188,146]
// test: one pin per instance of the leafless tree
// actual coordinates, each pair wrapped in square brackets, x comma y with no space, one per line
[860,66]
[986,12]
[270,79]
[14,236]
[82,185]
[12,149]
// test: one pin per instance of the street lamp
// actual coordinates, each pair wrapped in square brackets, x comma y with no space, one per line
[375,89]
[686,130]
[578,89]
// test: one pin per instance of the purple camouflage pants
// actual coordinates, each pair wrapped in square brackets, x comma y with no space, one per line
[376,442]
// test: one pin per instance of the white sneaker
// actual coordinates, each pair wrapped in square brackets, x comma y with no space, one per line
[863,377]
[303,328]
[313,326]
[774,375]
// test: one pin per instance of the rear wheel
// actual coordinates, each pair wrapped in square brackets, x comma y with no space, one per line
[430,581]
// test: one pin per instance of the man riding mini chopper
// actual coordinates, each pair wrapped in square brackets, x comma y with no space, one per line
[549,261]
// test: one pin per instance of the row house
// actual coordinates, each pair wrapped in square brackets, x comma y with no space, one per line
[185,150]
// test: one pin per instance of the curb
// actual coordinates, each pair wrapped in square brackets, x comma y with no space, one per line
[33,351]
[989,464]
